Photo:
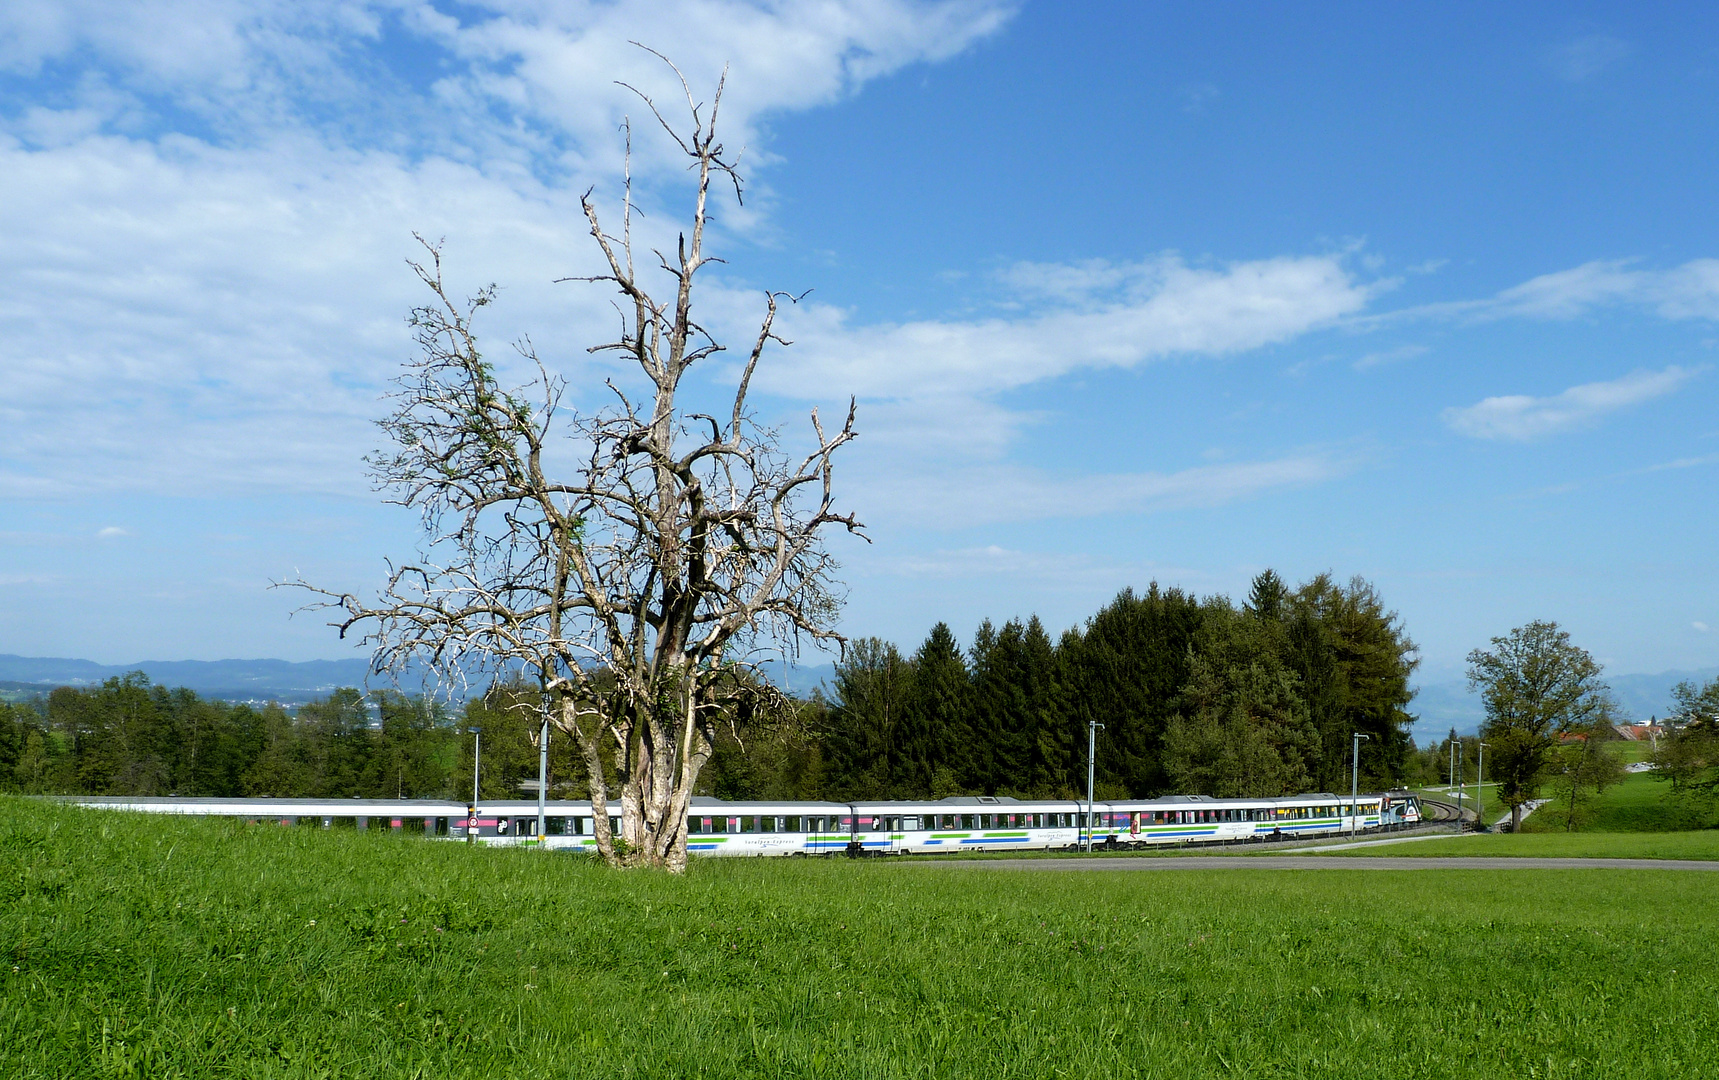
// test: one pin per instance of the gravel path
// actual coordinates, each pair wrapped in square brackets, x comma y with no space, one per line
[1325,862]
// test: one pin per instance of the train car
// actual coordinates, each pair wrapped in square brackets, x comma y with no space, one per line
[714,827]
[960,823]
[1401,807]
[965,823]
[426,816]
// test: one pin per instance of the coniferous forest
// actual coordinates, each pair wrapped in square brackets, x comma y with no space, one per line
[1195,695]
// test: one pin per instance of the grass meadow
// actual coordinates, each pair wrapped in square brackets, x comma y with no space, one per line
[156,947]
[1637,803]
[1702,845]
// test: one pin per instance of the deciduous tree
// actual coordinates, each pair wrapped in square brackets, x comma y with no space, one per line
[635,589]
[1536,686]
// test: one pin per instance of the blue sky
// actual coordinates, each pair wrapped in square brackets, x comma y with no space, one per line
[1126,292]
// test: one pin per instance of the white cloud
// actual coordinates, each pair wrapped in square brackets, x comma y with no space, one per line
[1690,291]
[1701,626]
[1520,418]
[1098,315]
[113,530]
[202,284]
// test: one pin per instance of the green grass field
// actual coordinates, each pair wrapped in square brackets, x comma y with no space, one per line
[1638,803]
[1702,844]
[151,947]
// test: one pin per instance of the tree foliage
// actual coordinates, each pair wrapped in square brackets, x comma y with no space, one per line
[1687,756]
[1195,696]
[1537,687]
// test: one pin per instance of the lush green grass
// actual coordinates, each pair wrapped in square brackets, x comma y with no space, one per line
[162,948]
[1630,751]
[1638,803]
[1701,844]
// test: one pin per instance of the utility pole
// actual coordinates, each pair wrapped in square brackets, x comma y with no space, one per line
[1460,754]
[543,773]
[1092,728]
[1480,789]
[471,811]
[1355,783]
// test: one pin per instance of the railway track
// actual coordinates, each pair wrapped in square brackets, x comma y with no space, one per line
[1438,810]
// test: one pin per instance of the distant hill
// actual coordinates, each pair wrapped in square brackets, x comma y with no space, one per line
[1443,705]
[236,680]
[286,681]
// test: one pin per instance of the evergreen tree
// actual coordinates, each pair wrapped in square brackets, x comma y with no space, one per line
[1353,662]
[1126,669]
[1241,729]
[871,687]
[933,753]
[11,745]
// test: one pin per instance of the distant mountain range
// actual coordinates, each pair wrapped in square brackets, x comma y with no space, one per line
[1441,706]
[289,682]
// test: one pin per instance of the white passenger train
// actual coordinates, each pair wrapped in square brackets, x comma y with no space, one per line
[961,823]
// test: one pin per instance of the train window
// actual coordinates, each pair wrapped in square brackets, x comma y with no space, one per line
[695,826]
[791,824]
[748,824]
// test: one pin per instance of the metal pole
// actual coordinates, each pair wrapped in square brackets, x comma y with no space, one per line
[477,754]
[542,775]
[1460,754]
[1355,783]
[1480,789]
[1092,727]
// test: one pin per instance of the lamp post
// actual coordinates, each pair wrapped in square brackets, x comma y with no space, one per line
[1092,728]
[1480,789]
[1355,783]
[471,815]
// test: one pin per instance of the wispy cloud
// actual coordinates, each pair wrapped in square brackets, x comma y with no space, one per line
[958,495]
[1197,97]
[113,530]
[1689,291]
[1521,418]
[1683,463]
[1389,356]
[1082,316]
[1580,59]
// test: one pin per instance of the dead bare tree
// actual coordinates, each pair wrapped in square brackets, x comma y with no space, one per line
[637,589]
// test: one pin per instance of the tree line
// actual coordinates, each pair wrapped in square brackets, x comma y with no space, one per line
[129,737]
[1195,695]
